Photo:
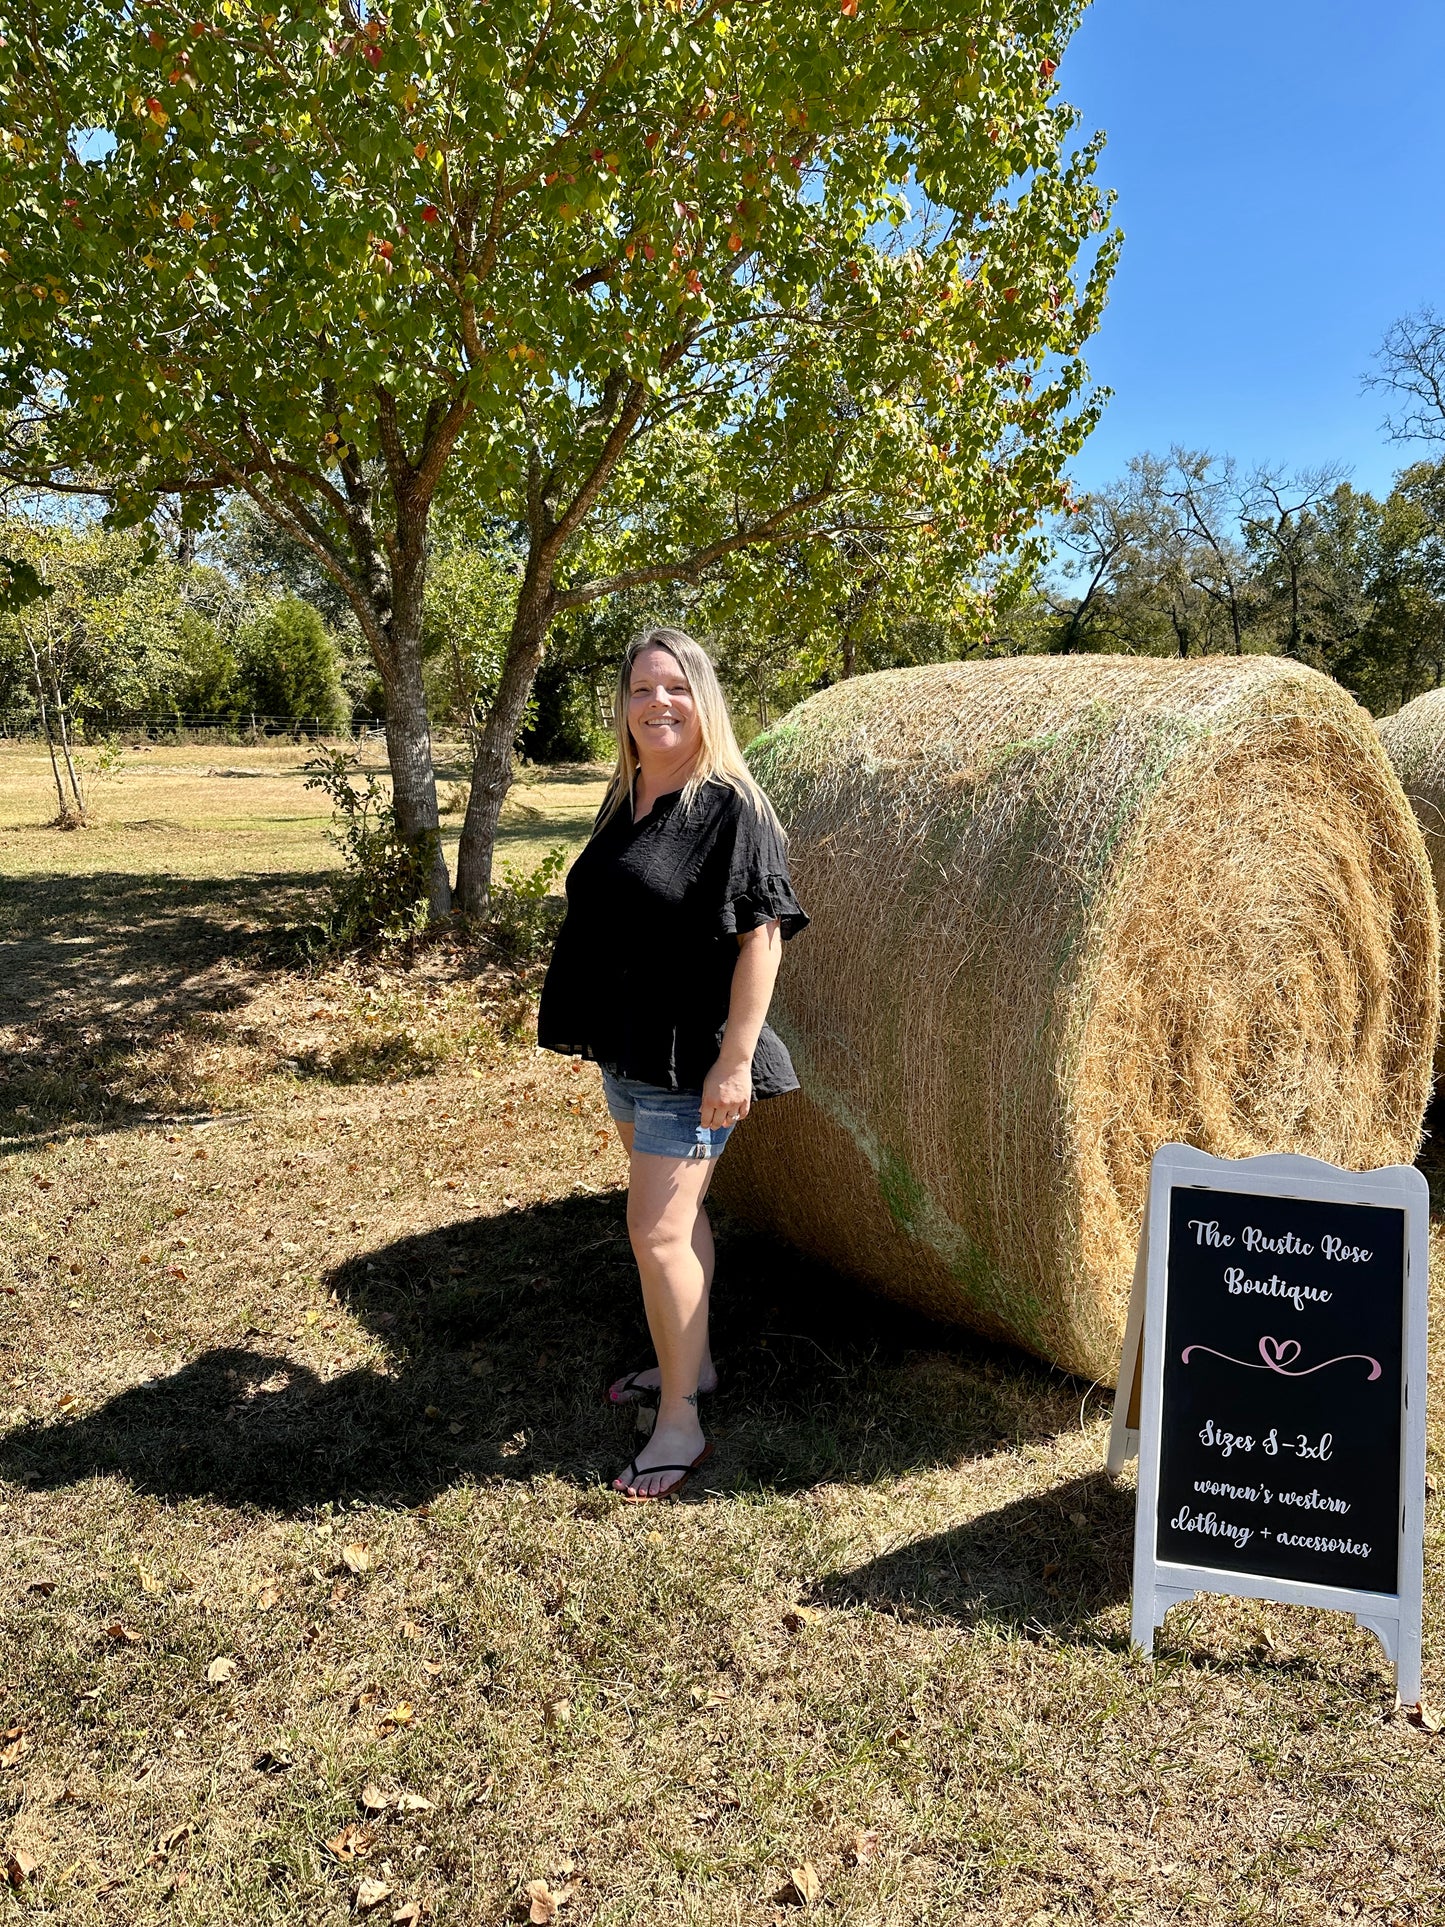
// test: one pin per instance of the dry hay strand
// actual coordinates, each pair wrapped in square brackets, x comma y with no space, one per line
[1065,911]
[1414,739]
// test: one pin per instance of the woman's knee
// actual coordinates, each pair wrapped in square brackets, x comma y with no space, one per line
[659,1237]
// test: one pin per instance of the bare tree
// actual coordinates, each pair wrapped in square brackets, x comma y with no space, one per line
[1206,493]
[1099,539]
[1411,362]
[1278,529]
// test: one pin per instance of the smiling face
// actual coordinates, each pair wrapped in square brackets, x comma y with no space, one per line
[661,713]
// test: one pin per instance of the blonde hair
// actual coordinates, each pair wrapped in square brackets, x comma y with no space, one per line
[720,760]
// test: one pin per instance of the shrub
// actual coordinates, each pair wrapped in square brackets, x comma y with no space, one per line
[524,913]
[381,892]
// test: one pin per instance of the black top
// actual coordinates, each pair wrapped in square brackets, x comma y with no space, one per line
[643,969]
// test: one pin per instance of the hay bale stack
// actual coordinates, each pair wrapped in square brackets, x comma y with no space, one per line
[1414,739]
[1066,910]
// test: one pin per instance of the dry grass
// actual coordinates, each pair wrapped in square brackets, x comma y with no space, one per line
[305,1325]
[1067,910]
[1414,740]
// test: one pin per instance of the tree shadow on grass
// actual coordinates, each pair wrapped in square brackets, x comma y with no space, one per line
[502,1334]
[1047,1563]
[98,972]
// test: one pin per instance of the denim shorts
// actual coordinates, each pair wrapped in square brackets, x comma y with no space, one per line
[666,1124]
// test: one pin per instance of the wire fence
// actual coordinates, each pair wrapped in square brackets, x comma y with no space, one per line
[132,726]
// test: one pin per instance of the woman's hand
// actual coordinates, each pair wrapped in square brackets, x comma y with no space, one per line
[727,1094]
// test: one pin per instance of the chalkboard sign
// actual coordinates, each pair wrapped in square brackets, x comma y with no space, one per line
[1273,1381]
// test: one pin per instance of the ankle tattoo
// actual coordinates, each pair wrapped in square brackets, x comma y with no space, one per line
[689,1398]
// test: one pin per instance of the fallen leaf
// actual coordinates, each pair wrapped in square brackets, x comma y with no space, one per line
[410,1629]
[555,1712]
[13,1746]
[1053,1569]
[43,1586]
[149,1583]
[402,1714]
[352,1843]
[413,1803]
[862,1847]
[269,1596]
[220,1670]
[547,1903]
[273,1763]
[373,1799]
[797,1617]
[168,1842]
[357,1558]
[371,1893]
[804,1884]
[1425,1717]
[122,1635]
[20,1867]
[407,1916]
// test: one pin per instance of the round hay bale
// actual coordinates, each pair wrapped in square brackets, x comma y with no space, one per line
[1066,910]
[1414,739]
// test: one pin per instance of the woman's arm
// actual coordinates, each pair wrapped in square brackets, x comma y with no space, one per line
[727,1091]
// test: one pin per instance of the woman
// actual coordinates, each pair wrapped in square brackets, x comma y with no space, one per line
[677,910]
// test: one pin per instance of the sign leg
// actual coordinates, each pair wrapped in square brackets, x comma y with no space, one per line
[1124,1429]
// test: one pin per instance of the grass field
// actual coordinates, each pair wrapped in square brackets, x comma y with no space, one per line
[317,1607]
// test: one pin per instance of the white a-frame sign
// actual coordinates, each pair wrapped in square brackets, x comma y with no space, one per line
[1273,1385]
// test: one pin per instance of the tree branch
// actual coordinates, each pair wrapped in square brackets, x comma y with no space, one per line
[779,526]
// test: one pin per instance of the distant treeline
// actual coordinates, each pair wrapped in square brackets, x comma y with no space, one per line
[1186,555]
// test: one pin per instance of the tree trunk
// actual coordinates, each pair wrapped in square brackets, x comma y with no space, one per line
[492,767]
[63,810]
[413,777]
[75,788]
[1294,636]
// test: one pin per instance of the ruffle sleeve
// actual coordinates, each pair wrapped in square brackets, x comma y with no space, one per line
[759,887]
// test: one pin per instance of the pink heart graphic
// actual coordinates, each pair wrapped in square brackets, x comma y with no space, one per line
[1278,1352]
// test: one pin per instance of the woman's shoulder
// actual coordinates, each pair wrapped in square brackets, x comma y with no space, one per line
[730,804]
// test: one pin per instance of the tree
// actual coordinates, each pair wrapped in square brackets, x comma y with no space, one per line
[1411,368]
[471,594]
[1204,491]
[1278,518]
[111,632]
[1159,563]
[340,262]
[1101,537]
[287,666]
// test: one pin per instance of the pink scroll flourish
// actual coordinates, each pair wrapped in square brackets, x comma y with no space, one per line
[1279,1354]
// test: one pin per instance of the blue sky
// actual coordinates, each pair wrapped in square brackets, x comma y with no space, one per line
[1279,172]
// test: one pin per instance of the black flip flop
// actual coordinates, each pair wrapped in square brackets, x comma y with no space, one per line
[638,1472]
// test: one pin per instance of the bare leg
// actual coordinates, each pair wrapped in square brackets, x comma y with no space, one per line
[664,1201]
[702,1244]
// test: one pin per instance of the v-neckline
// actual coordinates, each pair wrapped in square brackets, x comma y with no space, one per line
[666,796]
